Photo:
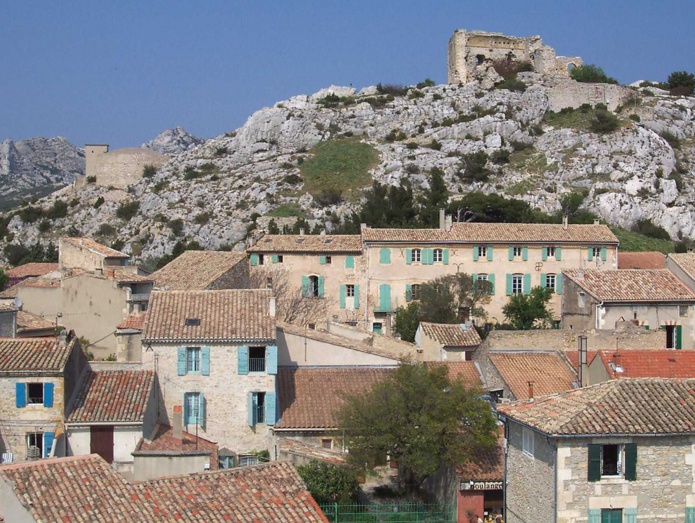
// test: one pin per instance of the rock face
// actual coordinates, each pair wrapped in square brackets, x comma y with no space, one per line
[642,170]
[173,141]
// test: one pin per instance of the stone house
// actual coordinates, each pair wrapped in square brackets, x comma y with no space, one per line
[29,270]
[88,255]
[112,412]
[216,357]
[655,363]
[682,265]
[444,342]
[15,323]
[37,380]
[129,337]
[653,298]
[204,270]
[616,451]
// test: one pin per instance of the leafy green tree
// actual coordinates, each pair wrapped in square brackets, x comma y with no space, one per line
[330,483]
[474,167]
[435,197]
[591,73]
[681,82]
[528,311]
[442,300]
[481,207]
[4,279]
[421,418]
[273,227]
[407,320]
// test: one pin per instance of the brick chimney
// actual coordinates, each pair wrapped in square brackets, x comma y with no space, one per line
[530,391]
[177,422]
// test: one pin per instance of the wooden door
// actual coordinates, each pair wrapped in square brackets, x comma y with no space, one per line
[101,441]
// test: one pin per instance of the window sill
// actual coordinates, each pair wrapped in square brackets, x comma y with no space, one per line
[527,454]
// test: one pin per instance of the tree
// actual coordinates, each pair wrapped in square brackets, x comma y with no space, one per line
[407,320]
[681,83]
[4,279]
[604,122]
[528,311]
[435,197]
[591,73]
[330,483]
[473,165]
[421,418]
[442,300]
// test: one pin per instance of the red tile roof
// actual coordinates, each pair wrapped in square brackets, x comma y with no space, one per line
[573,357]
[633,406]
[27,321]
[164,443]
[196,270]
[486,465]
[96,247]
[31,269]
[547,370]
[467,371]
[113,396]
[641,260]
[684,260]
[227,316]
[134,321]
[33,355]
[452,335]
[655,363]
[272,243]
[630,285]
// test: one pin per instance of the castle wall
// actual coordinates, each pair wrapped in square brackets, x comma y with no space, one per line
[122,167]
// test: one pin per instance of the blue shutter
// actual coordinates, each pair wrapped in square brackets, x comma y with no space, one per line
[604,254]
[510,288]
[20,395]
[254,259]
[408,292]
[48,439]
[48,394]
[445,256]
[201,410]
[544,253]
[489,253]
[185,408]
[475,253]
[524,253]
[251,411]
[342,296]
[276,258]
[320,286]
[491,279]
[322,260]
[527,284]
[270,408]
[511,253]
[590,253]
[558,253]
[384,256]
[558,284]
[594,515]
[544,283]
[408,256]
[425,256]
[350,262]
[630,515]
[181,361]
[384,297]
[357,296]
[689,514]
[305,285]
[271,359]
[243,360]
[205,361]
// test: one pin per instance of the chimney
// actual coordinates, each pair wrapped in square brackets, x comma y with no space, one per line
[363,226]
[449,221]
[530,391]
[583,366]
[442,219]
[177,422]
[596,221]
[271,307]
[301,232]
[565,221]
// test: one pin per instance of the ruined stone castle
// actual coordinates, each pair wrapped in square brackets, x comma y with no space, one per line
[119,168]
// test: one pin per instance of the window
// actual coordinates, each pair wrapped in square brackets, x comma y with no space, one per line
[517,283]
[612,461]
[194,408]
[377,327]
[550,252]
[527,441]
[327,444]
[269,282]
[682,310]
[192,322]
[329,260]
[277,258]
[34,445]
[261,259]
[581,299]
[482,251]
[35,393]
[438,255]
[550,281]
[596,252]
[248,461]
[261,408]
[256,359]
[611,515]
[350,290]
[488,287]
[416,255]
[314,286]
[415,291]
[192,360]
[517,252]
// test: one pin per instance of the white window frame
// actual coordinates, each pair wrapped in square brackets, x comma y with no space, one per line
[438,256]
[517,284]
[551,277]
[350,290]
[482,252]
[313,290]
[550,251]
[683,311]
[597,252]
[518,251]
[415,291]
[527,442]
[416,255]
[193,360]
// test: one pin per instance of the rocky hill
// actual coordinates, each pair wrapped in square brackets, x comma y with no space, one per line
[173,141]
[286,158]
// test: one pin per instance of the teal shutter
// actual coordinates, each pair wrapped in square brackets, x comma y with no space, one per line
[544,253]
[384,297]
[631,461]
[430,256]
[524,253]
[350,262]
[489,253]
[475,253]
[243,360]
[48,439]
[48,394]
[594,467]
[689,514]
[320,286]
[186,409]
[408,256]
[305,286]
[357,297]
[558,284]
[604,254]
[254,259]
[543,280]
[384,256]
[527,283]
[558,253]
[408,292]
[181,361]
[491,279]
[630,515]
[679,337]
[511,253]
[445,256]
[510,288]
[276,258]
[20,395]
[322,260]
[342,296]
[594,515]
[590,253]
[205,361]
[270,408]
[252,409]
[271,359]
[201,411]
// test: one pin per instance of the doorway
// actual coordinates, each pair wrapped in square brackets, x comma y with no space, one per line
[101,441]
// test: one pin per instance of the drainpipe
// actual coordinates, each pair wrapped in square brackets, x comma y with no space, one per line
[366,286]
[599,306]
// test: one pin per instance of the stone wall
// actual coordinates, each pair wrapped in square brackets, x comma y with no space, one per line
[121,167]
[554,339]
[565,92]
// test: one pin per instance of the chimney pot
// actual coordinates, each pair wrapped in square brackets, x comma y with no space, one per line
[530,391]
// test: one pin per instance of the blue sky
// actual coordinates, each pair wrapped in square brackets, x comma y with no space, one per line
[121,72]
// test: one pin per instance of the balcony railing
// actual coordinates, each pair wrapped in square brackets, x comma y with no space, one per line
[256,364]
[139,297]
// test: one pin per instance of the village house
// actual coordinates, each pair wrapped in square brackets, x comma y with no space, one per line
[204,270]
[447,342]
[656,363]
[29,270]
[216,357]
[682,265]
[129,337]
[653,298]
[620,451]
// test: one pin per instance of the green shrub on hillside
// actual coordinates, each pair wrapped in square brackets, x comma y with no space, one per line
[590,73]
[127,210]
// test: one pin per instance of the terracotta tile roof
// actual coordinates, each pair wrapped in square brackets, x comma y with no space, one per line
[308,451]
[33,355]
[31,269]
[134,321]
[631,406]
[86,488]
[96,247]
[641,260]
[654,363]
[165,443]
[308,243]
[485,466]
[467,371]
[685,261]
[472,232]
[195,270]
[573,357]
[452,335]
[27,321]
[645,285]
[113,396]
[547,370]
[124,276]
[225,316]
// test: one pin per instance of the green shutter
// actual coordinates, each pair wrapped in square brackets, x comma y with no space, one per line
[270,408]
[511,253]
[524,253]
[489,253]
[689,514]
[243,360]
[630,515]
[48,394]
[491,279]
[558,283]
[510,288]
[409,256]
[322,260]
[20,395]
[276,258]
[527,284]
[271,359]
[320,286]
[181,361]
[558,253]
[48,439]
[604,254]
[205,361]
[590,253]
[594,467]
[445,256]
[384,297]
[594,515]
[350,262]
[679,336]
[475,253]
[251,404]
[384,256]
[408,292]
[427,256]
[305,286]
[201,410]
[254,259]
[631,461]
[357,296]
[342,296]
[544,283]
[544,253]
